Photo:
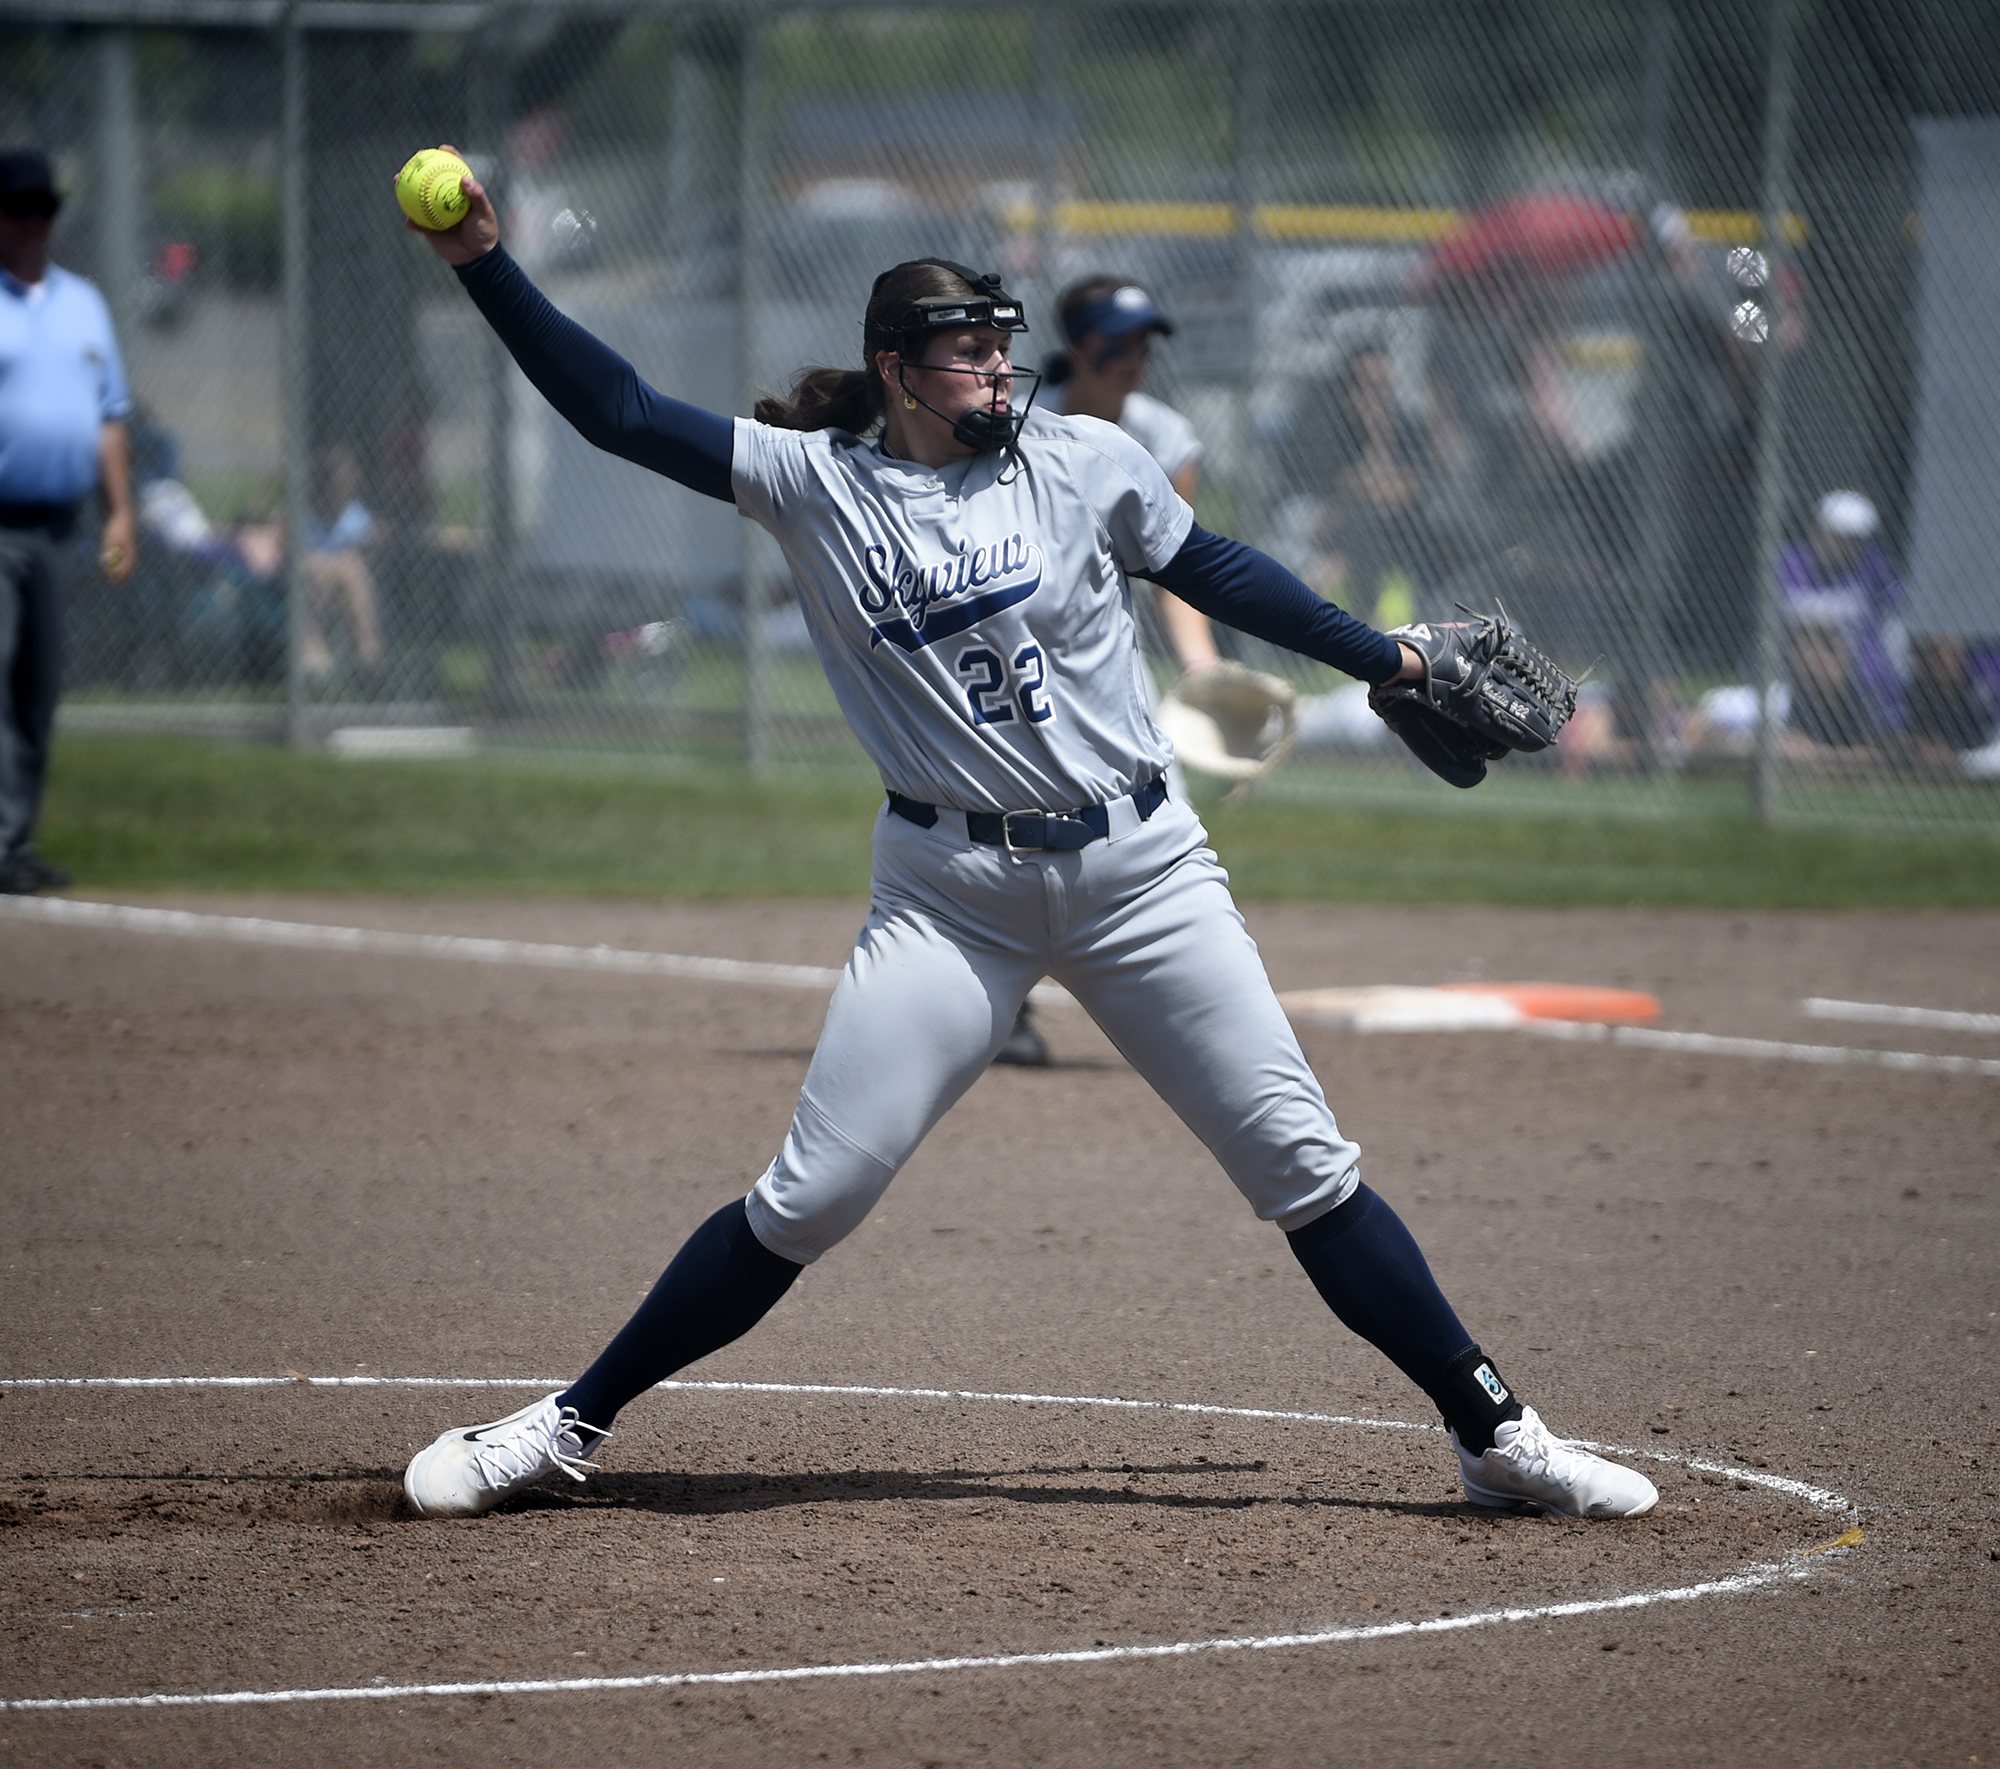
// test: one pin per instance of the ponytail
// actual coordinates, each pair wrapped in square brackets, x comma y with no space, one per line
[826,399]
[852,399]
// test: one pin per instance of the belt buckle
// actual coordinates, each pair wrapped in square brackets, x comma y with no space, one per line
[1050,819]
[1007,840]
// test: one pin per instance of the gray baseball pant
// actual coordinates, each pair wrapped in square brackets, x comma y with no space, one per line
[1140,928]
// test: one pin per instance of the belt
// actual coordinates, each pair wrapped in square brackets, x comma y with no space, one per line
[58,518]
[1029,831]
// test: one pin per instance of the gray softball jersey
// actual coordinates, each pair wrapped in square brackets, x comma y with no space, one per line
[975,620]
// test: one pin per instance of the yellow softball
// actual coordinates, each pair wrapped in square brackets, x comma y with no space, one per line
[429,191]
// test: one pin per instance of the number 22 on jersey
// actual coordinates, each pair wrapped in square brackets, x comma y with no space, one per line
[994,689]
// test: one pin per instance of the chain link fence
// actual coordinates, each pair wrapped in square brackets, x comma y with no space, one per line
[1671,326]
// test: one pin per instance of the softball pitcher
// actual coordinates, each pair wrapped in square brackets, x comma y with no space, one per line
[964,564]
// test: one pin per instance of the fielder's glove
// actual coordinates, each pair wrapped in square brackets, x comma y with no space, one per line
[1229,721]
[1485,691]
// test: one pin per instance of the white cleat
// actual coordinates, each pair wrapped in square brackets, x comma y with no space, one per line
[1530,1468]
[468,1472]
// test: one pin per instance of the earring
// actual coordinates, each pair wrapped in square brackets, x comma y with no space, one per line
[909,404]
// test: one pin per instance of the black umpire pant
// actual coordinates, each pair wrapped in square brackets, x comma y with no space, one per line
[34,561]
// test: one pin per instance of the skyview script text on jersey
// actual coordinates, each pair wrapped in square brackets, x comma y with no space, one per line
[1012,567]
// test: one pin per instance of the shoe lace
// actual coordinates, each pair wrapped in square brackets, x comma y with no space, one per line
[537,1443]
[1537,1451]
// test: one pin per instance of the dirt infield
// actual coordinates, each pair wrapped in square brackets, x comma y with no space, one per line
[230,1160]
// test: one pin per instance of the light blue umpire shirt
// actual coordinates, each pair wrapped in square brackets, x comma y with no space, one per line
[61,381]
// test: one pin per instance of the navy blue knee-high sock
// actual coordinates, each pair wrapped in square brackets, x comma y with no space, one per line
[720,1285]
[1374,1276]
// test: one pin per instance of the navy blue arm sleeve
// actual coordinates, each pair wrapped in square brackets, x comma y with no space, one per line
[596,388]
[1253,593]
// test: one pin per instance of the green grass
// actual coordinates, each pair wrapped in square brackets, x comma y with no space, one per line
[162,814]
[128,813]
[1716,863]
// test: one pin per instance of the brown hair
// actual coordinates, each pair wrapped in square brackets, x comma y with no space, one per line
[851,399]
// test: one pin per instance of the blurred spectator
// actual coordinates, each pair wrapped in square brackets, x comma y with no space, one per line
[220,604]
[63,405]
[1847,652]
[1109,326]
[1722,725]
[1378,530]
[338,534]
[237,609]
[1373,545]
[1953,697]
[1370,543]
[1590,740]
[1849,680]
[1702,395]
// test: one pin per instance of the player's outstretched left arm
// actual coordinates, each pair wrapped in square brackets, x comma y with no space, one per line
[1252,592]
[595,388]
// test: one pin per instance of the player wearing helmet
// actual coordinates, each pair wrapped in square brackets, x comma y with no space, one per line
[964,566]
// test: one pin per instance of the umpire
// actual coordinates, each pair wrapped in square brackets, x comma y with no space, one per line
[62,434]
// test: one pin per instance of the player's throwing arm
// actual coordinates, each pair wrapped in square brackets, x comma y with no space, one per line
[964,564]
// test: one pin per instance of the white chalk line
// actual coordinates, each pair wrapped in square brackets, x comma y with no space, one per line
[620,960]
[1882,1013]
[310,936]
[314,937]
[546,1384]
[1820,1498]
[1749,1578]
[1765,1049]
